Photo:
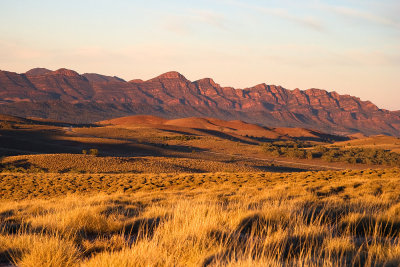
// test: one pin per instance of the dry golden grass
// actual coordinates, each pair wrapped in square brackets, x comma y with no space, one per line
[349,218]
[79,163]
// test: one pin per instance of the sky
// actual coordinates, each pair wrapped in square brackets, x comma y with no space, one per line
[351,47]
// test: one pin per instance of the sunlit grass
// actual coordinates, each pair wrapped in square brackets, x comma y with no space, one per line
[349,218]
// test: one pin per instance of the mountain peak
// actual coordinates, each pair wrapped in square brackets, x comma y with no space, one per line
[37,71]
[207,81]
[94,77]
[171,75]
[66,72]
[262,86]
[136,81]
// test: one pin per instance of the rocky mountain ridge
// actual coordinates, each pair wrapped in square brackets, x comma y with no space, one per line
[66,95]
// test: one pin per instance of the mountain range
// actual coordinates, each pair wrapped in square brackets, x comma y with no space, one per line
[81,98]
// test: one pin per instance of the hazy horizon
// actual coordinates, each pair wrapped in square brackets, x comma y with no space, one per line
[351,47]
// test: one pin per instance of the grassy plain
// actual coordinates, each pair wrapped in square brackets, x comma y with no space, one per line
[342,218]
[168,195]
[144,144]
[76,163]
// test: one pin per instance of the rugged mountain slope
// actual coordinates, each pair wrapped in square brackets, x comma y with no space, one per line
[66,95]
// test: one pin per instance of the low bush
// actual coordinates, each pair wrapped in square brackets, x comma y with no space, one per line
[333,154]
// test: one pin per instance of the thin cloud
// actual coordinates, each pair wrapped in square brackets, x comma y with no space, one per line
[209,17]
[176,25]
[373,58]
[308,22]
[183,24]
[359,14]
[305,21]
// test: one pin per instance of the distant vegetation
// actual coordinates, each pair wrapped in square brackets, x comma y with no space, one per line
[21,168]
[359,155]
[78,163]
[92,151]
[332,154]
[289,149]
[7,125]
[180,137]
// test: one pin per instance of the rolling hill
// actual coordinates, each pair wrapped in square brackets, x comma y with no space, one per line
[235,127]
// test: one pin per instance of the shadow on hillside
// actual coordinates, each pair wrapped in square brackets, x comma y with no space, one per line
[21,166]
[178,132]
[225,136]
[52,141]
[279,168]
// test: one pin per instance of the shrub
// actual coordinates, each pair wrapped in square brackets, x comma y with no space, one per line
[6,125]
[94,151]
[180,138]
[333,154]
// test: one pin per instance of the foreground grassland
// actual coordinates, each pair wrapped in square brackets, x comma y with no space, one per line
[346,218]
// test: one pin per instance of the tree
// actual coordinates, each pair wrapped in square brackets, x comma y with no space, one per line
[94,151]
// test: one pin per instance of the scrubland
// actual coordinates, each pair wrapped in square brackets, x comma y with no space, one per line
[346,218]
[331,153]
[76,163]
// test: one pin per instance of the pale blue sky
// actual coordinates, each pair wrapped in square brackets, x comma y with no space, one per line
[352,47]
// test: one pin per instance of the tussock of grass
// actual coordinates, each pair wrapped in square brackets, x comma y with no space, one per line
[81,219]
[39,250]
[223,219]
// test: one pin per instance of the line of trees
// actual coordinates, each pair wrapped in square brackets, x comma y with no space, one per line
[332,154]
[180,137]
